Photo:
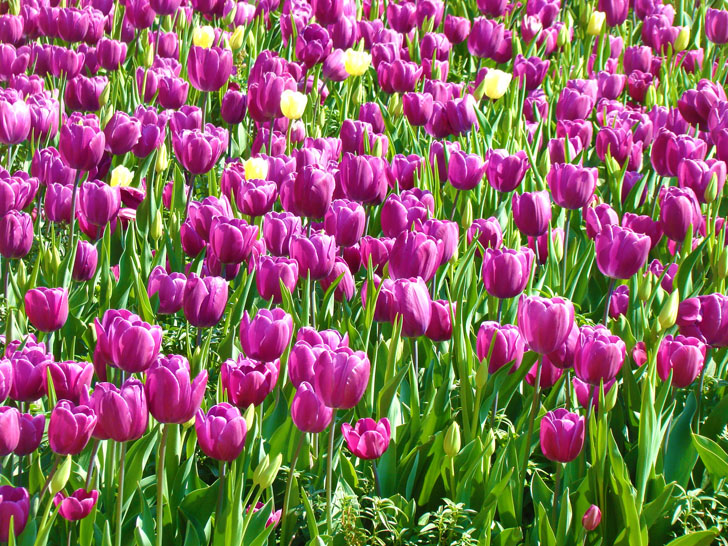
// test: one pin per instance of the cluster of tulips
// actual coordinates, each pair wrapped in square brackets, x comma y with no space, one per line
[489,254]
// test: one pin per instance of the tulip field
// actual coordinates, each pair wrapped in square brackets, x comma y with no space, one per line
[363,272]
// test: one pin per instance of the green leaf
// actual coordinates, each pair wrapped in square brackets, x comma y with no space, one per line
[545,533]
[712,455]
[700,538]
[198,507]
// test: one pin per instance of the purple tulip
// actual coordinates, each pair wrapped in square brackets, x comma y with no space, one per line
[309,192]
[308,411]
[132,344]
[6,378]
[198,151]
[620,251]
[209,69]
[487,231]
[572,186]
[341,377]
[98,202]
[531,72]
[679,209]
[29,374]
[71,380]
[345,221]
[221,432]
[32,429]
[599,355]
[411,301]
[415,254]
[9,430]
[76,506]
[544,323]
[204,300]
[683,356]
[400,212]
[315,255]
[169,287]
[532,212]
[364,178]
[266,337]
[645,225]
[368,439]
[81,142]
[122,133]
[668,149]
[248,382]
[47,308]
[465,171]
[704,317]
[417,108]
[619,302]
[15,505]
[172,395]
[716,26]
[270,272]
[440,327]
[507,345]
[122,412]
[562,435]
[14,119]
[598,217]
[697,175]
[506,271]
[70,427]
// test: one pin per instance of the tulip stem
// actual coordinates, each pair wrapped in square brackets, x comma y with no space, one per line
[557,487]
[120,494]
[160,483]
[609,299]
[220,494]
[73,211]
[270,137]
[50,476]
[566,252]
[249,509]
[531,419]
[92,460]
[329,474]
[289,484]
[377,481]
[454,205]
[699,392]
[190,191]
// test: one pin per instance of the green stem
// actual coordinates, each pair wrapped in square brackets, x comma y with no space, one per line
[249,509]
[557,487]
[699,393]
[160,483]
[92,460]
[73,211]
[566,252]
[531,419]
[329,473]
[120,494]
[50,476]
[609,299]
[289,484]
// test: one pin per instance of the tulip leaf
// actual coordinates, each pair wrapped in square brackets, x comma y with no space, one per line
[699,538]
[713,456]
[681,454]
[198,507]
[545,533]
[136,461]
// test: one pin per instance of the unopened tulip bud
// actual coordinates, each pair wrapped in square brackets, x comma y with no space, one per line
[162,161]
[451,442]
[610,399]
[683,37]
[394,106]
[157,227]
[109,114]
[266,471]
[557,248]
[481,375]
[651,97]
[236,39]
[148,56]
[60,477]
[711,191]
[467,214]
[592,518]
[621,327]
[203,36]
[544,164]
[104,98]
[563,36]
[722,264]
[596,23]
[249,416]
[646,285]
[293,104]
[668,314]
[230,16]
[121,176]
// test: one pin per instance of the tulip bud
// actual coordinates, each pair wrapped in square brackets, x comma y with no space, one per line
[249,416]
[681,42]
[266,471]
[592,518]
[203,36]
[230,16]
[668,314]
[293,104]
[621,328]
[481,375]
[52,259]
[722,264]
[651,97]
[157,227]
[121,176]
[596,23]
[236,39]
[104,98]
[611,397]
[563,38]
[162,161]
[148,55]
[451,442]
[557,248]
[645,286]
[61,475]
[711,191]
[107,117]
[467,214]
[394,106]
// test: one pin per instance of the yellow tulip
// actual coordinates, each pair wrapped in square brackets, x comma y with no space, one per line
[496,83]
[596,23]
[681,42]
[236,39]
[293,104]
[256,168]
[356,63]
[121,176]
[203,36]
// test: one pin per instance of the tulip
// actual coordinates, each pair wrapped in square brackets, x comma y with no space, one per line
[71,427]
[47,308]
[248,382]
[506,271]
[14,120]
[6,378]
[233,107]
[31,433]
[679,209]
[15,504]
[278,228]
[668,149]
[644,225]
[417,108]
[598,217]
[310,192]
[716,26]
[698,175]
[16,234]
[683,356]
[495,83]
[532,212]
[562,435]
[232,239]
[81,142]
[619,302]
[9,430]
[266,336]
[170,289]
[400,212]
[364,178]
[548,372]
[411,301]
[572,186]
[345,221]
[302,358]
[465,171]
[440,328]
[487,231]
[457,29]
[122,412]
[368,439]
[315,255]
[271,271]
[330,338]
[507,346]
[29,374]
[345,288]
[356,63]
[592,518]
[77,506]
[221,432]
[704,317]
[172,395]
[308,411]
[99,202]
[204,300]
[71,380]
[209,68]
[133,344]
[544,323]
[293,104]
[599,355]
[203,36]
[256,197]
[341,377]
[621,252]
[198,151]
[414,255]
